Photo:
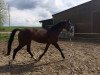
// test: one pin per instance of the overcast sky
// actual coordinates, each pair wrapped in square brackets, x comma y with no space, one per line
[30,12]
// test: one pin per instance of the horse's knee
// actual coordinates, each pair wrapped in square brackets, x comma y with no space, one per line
[15,51]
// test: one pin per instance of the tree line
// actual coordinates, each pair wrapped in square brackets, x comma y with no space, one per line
[3,12]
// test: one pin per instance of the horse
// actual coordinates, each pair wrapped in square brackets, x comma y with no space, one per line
[48,37]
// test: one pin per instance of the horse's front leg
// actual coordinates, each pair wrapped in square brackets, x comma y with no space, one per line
[57,46]
[46,48]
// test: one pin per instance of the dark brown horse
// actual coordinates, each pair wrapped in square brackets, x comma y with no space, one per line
[48,37]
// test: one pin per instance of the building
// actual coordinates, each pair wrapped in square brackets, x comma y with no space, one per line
[86,17]
[46,23]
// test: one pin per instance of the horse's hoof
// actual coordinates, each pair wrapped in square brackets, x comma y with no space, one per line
[63,57]
[10,62]
[6,54]
[36,60]
[31,57]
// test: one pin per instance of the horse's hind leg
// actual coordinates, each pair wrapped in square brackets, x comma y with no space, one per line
[29,50]
[16,50]
[57,46]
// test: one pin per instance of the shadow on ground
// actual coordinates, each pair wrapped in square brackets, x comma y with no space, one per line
[18,69]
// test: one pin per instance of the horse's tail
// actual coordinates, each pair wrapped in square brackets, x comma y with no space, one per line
[11,40]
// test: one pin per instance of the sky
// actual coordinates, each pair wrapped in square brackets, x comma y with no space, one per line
[30,12]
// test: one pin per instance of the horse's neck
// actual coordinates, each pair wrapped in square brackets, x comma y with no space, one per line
[56,31]
[59,30]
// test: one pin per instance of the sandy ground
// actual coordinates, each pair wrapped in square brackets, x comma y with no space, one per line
[82,58]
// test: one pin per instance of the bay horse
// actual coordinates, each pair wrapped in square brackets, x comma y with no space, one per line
[49,36]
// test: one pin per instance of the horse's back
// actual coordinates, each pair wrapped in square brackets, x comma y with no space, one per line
[41,32]
[39,35]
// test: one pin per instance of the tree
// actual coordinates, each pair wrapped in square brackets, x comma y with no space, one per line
[3,12]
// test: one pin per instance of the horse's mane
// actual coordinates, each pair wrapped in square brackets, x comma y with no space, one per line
[56,26]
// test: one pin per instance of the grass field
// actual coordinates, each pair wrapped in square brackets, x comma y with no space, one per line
[6,29]
[5,36]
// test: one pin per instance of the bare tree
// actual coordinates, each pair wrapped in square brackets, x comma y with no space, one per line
[3,12]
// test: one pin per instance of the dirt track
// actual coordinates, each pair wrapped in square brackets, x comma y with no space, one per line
[82,58]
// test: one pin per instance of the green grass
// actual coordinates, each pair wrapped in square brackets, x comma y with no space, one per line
[5,36]
[8,29]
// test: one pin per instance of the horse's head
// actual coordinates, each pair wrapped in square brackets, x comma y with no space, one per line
[65,24]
